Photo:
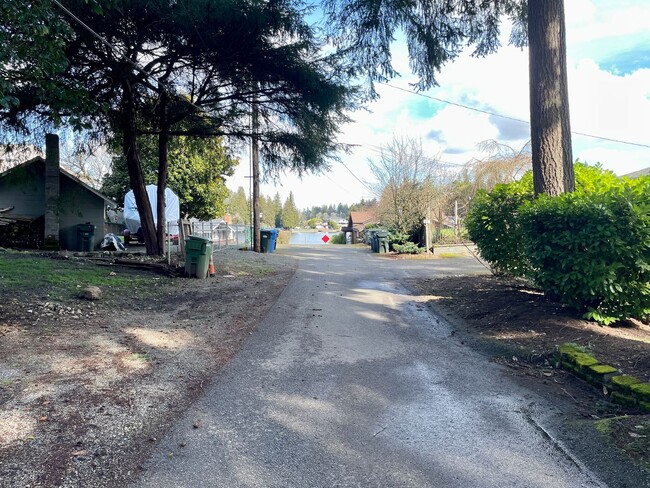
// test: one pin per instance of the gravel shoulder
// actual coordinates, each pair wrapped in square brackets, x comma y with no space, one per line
[87,388]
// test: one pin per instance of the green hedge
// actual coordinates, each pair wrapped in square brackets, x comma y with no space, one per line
[590,248]
[592,251]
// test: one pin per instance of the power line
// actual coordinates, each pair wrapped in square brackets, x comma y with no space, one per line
[448,102]
[356,177]
[380,150]
[341,187]
[468,107]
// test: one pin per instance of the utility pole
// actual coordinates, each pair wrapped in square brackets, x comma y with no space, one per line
[456,218]
[427,230]
[255,158]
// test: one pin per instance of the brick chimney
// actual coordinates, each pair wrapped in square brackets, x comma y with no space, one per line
[52,171]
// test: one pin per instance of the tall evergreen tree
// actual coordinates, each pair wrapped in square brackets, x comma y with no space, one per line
[237,205]
[290,214]
[202,63]
[437,32]
[277,208]
[550,128]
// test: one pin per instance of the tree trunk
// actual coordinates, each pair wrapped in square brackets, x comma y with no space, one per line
[163,166]
[134,167]
[550,128]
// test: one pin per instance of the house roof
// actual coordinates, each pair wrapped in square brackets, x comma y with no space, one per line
[39,159]
[637,174]
[367,217]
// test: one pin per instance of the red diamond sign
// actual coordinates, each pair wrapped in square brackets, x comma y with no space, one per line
[325,239]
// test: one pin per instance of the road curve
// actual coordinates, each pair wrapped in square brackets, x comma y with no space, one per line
[351,382]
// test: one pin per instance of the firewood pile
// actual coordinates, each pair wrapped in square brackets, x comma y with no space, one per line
[21,232]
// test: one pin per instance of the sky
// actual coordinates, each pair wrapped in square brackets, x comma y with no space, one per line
[608,58]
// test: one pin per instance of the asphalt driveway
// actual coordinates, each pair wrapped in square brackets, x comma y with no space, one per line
[350,381]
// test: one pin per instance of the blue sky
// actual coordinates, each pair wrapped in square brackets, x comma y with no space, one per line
[608,51]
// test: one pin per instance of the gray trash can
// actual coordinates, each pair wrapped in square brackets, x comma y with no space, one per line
[86,237]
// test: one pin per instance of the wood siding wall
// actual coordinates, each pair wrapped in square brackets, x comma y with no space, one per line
[24,189]
[77,205]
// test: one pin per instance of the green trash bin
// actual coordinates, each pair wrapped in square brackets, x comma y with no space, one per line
[266,240]
[197,256]
[86,237]
[382,241]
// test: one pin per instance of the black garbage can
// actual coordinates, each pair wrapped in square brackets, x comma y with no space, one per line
[371,239]
[86,237]
[382,241]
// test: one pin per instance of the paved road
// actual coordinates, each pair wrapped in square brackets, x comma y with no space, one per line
[351,382]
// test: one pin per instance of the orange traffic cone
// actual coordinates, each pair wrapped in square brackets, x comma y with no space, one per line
[211,271]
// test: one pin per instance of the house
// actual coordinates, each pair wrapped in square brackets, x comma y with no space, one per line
[357,222]
[639,173]
[41,205]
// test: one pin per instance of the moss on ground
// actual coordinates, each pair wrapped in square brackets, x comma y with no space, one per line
[630,434]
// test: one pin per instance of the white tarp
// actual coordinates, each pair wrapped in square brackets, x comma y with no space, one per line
[132,217]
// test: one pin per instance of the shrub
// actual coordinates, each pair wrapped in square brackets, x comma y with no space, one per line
[338,238]
[283,237]
[396,237]
[493,225]
[594,179]
[493,219]
[591,250]
[408,248]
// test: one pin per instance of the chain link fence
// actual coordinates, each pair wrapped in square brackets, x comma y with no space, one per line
[223,234]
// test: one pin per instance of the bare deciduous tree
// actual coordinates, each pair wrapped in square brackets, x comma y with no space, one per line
[89,162]
[14,154]
[409,183]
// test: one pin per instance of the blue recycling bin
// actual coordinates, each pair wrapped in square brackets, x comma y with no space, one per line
[268,239]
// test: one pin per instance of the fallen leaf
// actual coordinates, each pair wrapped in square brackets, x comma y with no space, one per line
[42,419]
[548,374]
[605,390]
[81,452]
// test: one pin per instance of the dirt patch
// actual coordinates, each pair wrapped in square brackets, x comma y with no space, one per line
[519,327]
[86,388]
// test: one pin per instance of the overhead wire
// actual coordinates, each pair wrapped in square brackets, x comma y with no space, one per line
[495,114]
[357,178]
